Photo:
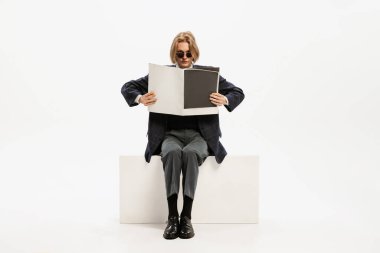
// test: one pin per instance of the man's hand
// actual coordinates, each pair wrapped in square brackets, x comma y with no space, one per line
[148,98]
[218,99]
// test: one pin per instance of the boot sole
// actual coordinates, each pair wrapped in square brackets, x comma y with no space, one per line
[170,237]
[186,236]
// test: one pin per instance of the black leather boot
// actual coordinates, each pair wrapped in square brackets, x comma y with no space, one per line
[186,228]
[172,229]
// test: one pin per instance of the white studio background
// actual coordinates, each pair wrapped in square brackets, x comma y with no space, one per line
[309,69]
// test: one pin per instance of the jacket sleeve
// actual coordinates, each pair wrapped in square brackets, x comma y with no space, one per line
[133,88]
[234,94]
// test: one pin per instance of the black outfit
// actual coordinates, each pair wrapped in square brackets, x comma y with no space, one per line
[183,142]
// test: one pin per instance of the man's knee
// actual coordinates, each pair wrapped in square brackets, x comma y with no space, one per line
[173,152]
[189,152]
[189,155]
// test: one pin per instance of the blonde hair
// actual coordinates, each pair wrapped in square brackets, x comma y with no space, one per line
[184,37]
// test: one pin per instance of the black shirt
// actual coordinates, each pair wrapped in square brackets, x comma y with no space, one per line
[182,122]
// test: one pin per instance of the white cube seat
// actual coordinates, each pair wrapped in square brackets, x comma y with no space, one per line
[226,193]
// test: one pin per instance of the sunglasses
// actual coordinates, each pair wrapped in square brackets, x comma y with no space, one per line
[181,54]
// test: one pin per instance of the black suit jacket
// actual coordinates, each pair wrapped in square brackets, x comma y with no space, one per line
[208,124]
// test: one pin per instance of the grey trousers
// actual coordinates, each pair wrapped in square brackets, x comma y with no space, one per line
[182,151]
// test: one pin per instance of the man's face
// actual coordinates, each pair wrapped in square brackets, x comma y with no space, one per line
[183,50]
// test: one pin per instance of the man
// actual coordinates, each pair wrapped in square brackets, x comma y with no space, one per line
[183,142]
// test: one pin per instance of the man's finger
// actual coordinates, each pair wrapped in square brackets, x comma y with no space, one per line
[151,96]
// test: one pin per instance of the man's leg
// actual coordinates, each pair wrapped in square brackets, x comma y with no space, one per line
[193,155]
[171,157]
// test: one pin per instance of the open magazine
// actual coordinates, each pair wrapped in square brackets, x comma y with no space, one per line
[183,91]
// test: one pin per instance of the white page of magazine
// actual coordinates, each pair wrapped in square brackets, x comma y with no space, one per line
[168,85]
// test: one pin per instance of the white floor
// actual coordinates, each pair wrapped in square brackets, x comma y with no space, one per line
[24,232]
